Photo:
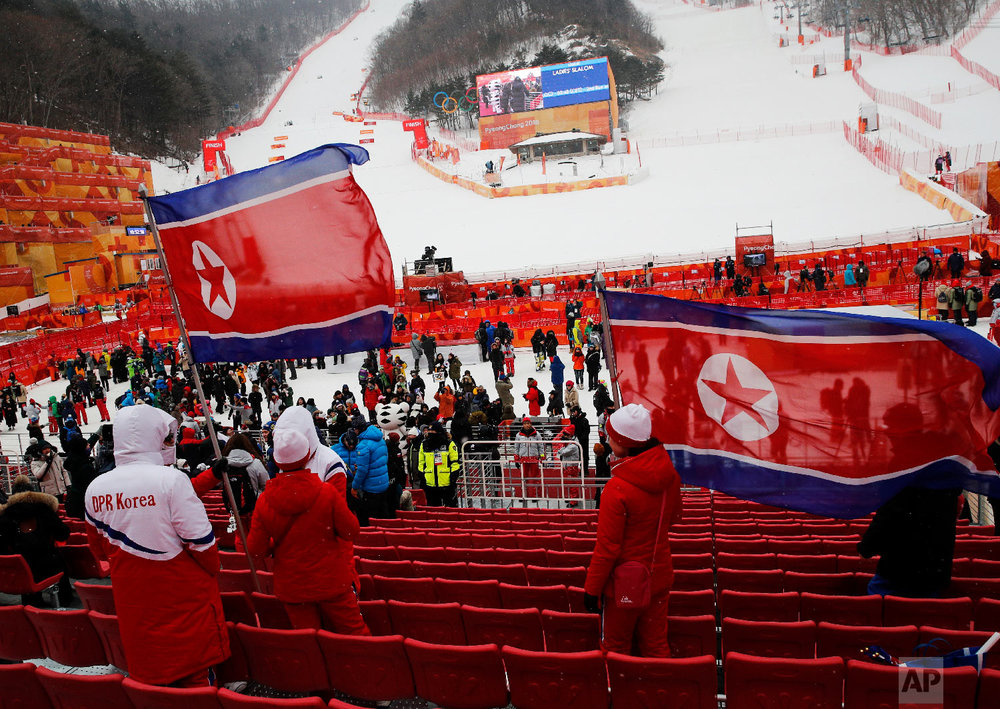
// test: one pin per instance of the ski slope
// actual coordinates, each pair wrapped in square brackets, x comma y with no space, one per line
[726,72]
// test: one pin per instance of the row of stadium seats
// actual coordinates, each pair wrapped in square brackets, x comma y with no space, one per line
[485,676]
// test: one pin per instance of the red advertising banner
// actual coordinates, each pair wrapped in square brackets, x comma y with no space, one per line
[366,140]
[755,254]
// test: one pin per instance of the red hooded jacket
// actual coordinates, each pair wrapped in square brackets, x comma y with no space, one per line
[302,522]
[629,516]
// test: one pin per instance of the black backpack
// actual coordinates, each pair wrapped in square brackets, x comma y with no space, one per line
[942,298]
[541,397]
[958,295]
[975,294]
[243,491]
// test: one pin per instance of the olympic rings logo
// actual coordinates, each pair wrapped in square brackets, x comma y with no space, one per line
[449,103]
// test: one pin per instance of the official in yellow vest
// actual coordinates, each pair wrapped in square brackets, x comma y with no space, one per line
[438,463]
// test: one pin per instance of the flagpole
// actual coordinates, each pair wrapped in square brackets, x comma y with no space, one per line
[205,407]
[609,349]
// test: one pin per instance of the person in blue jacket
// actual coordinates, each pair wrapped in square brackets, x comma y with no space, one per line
[366,456]
[558,370]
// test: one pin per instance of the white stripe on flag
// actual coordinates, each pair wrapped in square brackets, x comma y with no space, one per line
[808,472]
[756,334]
[295,328]
[256,201]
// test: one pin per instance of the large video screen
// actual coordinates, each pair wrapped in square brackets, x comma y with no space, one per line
[550,86]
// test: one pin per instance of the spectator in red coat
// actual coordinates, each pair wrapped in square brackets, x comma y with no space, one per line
[535,398]
[301,523]
[638,506]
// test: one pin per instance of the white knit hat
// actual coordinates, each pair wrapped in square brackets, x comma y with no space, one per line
[291,449]
[630,426]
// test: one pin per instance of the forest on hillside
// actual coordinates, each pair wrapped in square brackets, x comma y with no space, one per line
[441,45]
[155,75]
[896,22]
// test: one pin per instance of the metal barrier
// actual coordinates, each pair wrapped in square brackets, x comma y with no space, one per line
[543,474]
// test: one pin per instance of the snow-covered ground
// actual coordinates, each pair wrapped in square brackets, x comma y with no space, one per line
[726,71]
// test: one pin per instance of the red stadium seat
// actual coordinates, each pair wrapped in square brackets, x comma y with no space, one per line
[552,598]
[775,607]
[20,689]
[366,587]
[741,545]
[232,700]
[578,544]
[458,677]
[504,573]
[953,613]
[809,547]
[975,588]
[18,639]
[808,564]
[691,636]
[767,639]
[234,560]
[68,637]
[520,556]
[426,554]
[750,581]
[693,579]
[352,661]
[518,628]
[652,683]
[750,562]
[236,581]
[82,564]
[149,696]
[485,594]
[847,641]
[378,567]
[568,559]
[871,685]
[759,682]
[989,688]
[571,632]
[16,579]
[106,627]
[693,561]
[420,590]
[696,545]
[288,660]
[827,583]
[846,610]
[96,597]
[405,539]
[687,603]
[441,570]
[270,612]
[550,576]
[376,616]
[236,607]
[856,564]
[73,691]
[987,615]
[978,548]
[582,679]
[439,623]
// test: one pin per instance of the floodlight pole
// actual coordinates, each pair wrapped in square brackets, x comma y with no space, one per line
[205,407]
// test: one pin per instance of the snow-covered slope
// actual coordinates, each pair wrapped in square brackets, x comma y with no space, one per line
[726,71]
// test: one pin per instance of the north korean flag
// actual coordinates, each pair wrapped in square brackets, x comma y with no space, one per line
[284,261]
[815,411]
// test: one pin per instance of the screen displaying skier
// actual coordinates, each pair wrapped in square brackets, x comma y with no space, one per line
[549,86]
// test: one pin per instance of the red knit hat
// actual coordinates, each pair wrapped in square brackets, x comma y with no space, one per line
[630,426]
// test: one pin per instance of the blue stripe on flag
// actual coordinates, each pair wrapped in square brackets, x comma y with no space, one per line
[245,186]
[354,336]
[810,323]
[816,495]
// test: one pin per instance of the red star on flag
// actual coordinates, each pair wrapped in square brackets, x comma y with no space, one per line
[739,399]
[215,275]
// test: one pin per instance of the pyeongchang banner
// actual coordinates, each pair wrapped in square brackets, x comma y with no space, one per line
[821,412]
[285,261]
